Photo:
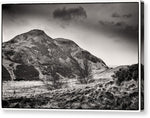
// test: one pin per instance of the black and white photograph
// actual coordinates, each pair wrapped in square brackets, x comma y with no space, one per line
[79,56]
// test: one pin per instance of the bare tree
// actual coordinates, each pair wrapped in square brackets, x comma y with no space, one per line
[52,80]
[86,73]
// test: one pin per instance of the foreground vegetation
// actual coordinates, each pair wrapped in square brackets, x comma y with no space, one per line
[101,96]
[104,95]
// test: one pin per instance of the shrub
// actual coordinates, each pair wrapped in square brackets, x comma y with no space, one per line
[126,74]
[26,72]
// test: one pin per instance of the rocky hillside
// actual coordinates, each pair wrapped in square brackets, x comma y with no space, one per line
[36,56]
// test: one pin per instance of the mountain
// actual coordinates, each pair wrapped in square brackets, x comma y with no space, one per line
[36,56]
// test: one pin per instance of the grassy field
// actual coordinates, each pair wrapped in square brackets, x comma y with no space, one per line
[106,92]
[15,89]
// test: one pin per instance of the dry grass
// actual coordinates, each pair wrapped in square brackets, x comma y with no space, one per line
[100,95]
[17,89]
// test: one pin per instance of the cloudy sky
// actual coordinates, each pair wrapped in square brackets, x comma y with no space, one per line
[107,30]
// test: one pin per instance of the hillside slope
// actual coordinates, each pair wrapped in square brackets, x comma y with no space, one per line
[36,56]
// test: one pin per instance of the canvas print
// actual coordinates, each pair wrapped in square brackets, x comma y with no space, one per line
[73,56]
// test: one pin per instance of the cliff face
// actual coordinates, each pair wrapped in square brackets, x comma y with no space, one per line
[34,55]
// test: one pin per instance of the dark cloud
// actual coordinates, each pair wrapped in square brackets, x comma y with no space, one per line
[24,10]
[14,9]
[11,12]
[70,14]
[116,15]
[120,28]
[127,15]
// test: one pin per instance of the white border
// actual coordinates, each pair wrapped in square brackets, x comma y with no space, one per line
[77,1]
[139,56]
[66,1]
